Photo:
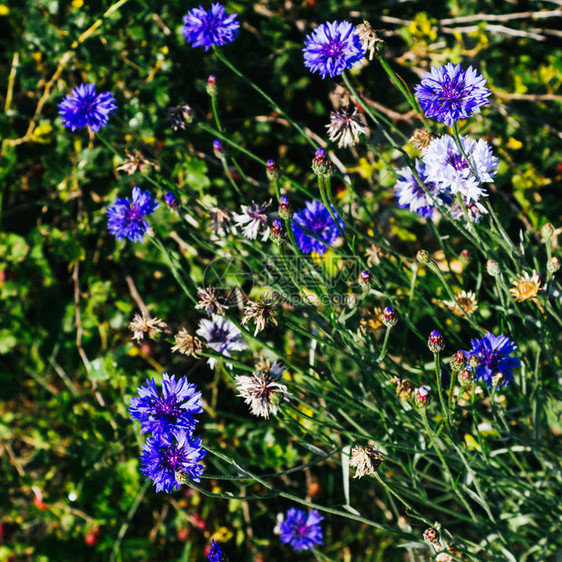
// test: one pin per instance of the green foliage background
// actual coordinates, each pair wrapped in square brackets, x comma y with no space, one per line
[67,290]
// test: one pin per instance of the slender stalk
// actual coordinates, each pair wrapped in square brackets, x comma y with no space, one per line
[399,83]
[224,60]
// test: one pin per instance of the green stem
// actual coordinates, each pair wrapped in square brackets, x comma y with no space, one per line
[399,83]
[273,104]
[391,491]
[384,344]
[376,116]
[438,374]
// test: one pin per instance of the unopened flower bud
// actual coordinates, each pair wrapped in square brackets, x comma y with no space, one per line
[278,232]
[365,279]
[553,265]
[423,256]
[217,148]
[422,397]
[431,536]
[389,317]
[271,171]
[182,477]
[436,343]
[497,378]
[464,257]
[493,268]
[458,361]
[285,210]
[547,231]
[321,164]
[171,200]
[473,361]
[351,300]
[464,377]
[212,85]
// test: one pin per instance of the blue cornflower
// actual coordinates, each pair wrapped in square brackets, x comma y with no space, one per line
[448,93]
[493,353]
[332,48]
[446,166]
[222,336]
[125,218]
[301,529]
[316,219]
[165,455]
[85,108]
[171,411]
[205,28]
[411,195]
[216,553]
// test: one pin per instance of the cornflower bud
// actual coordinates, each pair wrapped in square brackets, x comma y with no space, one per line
[271,171]
[212,85]
[321,164]
[278,233]
[365,279]
[436,343]
[389,317]
[464,377]
[217,148]
[431,536]
[473,361]
[422,397]
[547,231]
[493,268]
[553,265]
[285,210]
[458,361]
[171,200]
[464,257]
[423,256]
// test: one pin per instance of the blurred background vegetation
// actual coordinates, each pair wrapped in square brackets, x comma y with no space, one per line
[71,488]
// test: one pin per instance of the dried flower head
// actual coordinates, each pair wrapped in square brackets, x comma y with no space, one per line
[365,460]
[421,139]
[345,128]
[369,39]
[340,97]
[372,322]
[526,287]
[141,325]
[180,116]
[466,301]
[135,161]
[262,391]
[187,344]
[220,221]
[375,254]
[262,312]
[404,389]
[211,301]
